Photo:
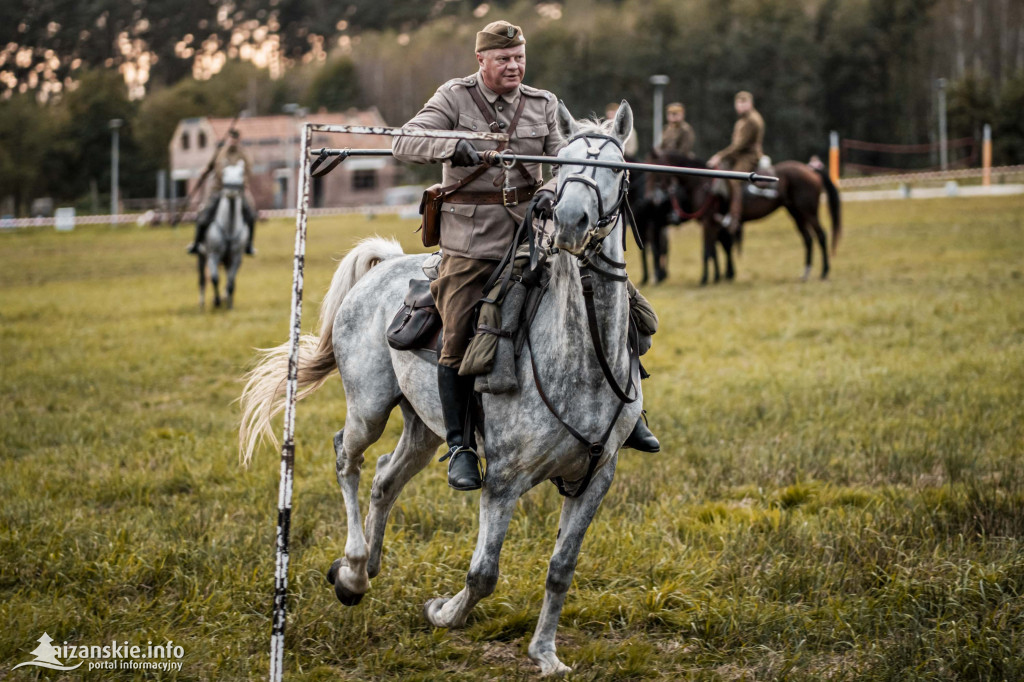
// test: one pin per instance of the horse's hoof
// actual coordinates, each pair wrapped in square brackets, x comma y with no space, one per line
[344,595]
[431,608]
[550,666]
[332,572]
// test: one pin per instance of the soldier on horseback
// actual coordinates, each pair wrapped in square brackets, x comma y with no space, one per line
[678,136]
[478,219]
[231,155]
[743,154]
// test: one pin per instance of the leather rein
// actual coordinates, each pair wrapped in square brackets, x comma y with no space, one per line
[589,270]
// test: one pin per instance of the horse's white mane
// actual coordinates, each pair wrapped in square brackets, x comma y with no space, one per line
[589,125]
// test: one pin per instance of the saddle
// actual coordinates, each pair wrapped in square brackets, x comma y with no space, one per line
[502,317]
[768,190]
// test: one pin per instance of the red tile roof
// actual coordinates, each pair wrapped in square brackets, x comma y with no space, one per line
[267,127]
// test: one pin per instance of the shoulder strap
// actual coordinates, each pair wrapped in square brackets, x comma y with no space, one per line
[492,123]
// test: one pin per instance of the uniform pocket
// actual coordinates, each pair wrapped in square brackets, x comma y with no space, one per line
[470,122]
[457,223]
[529,139]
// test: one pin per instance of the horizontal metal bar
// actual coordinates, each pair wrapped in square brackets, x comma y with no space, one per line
[600,163]
[408,132]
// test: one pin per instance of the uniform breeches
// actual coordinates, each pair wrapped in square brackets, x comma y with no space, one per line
[742,164]
[457,290]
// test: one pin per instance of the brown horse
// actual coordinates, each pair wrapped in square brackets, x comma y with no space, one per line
[798,190]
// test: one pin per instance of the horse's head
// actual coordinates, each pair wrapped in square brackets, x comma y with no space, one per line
[588,198]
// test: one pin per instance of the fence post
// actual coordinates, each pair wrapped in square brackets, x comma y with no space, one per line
[833,157]
[986,156]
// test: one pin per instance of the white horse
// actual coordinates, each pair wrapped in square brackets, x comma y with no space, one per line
[524,440]
[226,238]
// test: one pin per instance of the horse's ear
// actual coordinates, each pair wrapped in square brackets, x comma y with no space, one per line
[566,123]
[623,122]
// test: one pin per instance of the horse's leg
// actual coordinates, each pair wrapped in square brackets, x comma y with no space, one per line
[232,275]
[708,237]
[348,575]
[661,254]
[822,242]
[714,259]
[416,447]
[213,265]
[496,507]
[577,513]
[805,234]
[727,243]
[202,281]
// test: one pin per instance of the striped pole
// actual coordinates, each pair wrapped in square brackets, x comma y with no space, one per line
[986,156]
[284,495]
[833,157]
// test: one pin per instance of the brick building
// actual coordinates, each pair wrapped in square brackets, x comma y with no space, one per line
[272,144]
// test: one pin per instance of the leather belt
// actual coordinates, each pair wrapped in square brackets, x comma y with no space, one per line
[480,198]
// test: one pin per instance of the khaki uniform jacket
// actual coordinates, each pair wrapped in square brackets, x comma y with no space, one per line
[747,135]
[482,231]
[678,138]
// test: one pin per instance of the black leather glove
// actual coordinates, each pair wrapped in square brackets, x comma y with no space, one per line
[466,155]
[544,209]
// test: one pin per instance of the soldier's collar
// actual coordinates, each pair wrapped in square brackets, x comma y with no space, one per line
[491,96]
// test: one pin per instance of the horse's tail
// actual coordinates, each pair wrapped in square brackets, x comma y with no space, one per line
[264,392]
[832,192]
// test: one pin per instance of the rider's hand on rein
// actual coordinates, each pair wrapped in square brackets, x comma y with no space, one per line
[544,205]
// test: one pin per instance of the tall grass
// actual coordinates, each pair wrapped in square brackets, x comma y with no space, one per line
[838,495]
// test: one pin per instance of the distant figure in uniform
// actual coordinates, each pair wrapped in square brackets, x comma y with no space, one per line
[678,135]
[629,149]
[231,155]
[476,227]
[743,154]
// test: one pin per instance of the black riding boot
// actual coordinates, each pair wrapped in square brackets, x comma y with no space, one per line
[193,248]
[463,463]
[641,438]
[250,220]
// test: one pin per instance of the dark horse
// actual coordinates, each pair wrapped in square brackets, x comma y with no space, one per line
[798,190]
[650,211]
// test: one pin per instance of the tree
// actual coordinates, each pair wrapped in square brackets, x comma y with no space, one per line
[28,143]
[335,86]
[1009,125]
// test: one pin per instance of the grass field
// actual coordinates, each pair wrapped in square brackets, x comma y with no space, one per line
[840,493]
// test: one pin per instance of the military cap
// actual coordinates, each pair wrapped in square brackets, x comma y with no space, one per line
[498,35]
[744,95]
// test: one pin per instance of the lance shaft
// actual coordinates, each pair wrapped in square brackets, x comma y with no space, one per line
[491,157]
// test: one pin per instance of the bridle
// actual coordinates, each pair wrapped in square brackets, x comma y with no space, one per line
[588,271]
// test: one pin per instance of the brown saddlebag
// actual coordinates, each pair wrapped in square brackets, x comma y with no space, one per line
[417,322]
[430,209]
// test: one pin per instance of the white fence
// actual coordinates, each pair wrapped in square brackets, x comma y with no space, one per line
[190,216]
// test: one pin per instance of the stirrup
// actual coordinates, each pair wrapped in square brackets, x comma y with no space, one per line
[463,468]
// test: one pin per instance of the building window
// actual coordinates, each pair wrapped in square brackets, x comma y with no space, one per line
[364,179]
[202,140]
[184,140]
